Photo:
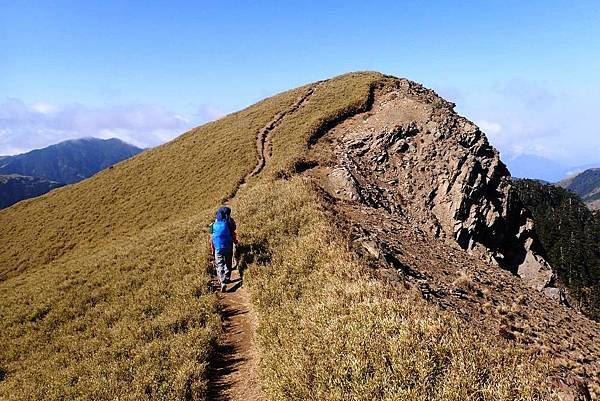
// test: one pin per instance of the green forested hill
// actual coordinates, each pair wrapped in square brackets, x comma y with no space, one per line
[586,185]
[570,235]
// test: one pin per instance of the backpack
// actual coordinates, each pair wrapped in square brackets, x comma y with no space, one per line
[221,232]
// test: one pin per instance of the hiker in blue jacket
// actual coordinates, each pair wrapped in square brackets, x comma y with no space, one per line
[222,238]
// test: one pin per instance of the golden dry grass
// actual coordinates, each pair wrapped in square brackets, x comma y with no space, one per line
[104,289]
[173,181]
[133,320]
[330,332]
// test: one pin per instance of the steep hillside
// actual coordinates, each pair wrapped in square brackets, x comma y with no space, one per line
[104,290]
[586,185]
[570,236]
[417,185]
[15,187]
[369,278]
[70,161]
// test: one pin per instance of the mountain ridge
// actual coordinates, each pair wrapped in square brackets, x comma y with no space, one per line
[15,187]
[64,163]
[585,184]
[330,244]
[69,161]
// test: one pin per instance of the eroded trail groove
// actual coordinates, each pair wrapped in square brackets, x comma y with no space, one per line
[234,374]
[263,139]
[234,371]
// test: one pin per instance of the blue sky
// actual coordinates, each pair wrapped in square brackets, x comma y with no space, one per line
[526,72]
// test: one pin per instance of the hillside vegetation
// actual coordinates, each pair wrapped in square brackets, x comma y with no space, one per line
[37,172]
[171,182]
[331,332]
[570,235]
[104,292]
[586,185]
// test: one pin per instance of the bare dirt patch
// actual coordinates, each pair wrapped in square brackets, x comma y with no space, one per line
[234,372]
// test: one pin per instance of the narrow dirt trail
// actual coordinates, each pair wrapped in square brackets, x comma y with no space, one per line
[263,138]
[234,372]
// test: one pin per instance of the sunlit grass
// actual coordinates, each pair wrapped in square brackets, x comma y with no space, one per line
[104,292]
[330,332]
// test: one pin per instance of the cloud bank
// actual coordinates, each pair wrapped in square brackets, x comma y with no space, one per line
[29,126]
[528,119]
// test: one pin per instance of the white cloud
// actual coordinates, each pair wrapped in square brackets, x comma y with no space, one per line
[528,118]
[538,149]
[44,108]
[29,126]
[489,127]
[208,112]
[572,173]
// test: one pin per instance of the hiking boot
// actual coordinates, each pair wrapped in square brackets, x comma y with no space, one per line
[223,287]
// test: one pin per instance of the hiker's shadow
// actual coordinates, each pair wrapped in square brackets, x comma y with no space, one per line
[248,254]
[236,285]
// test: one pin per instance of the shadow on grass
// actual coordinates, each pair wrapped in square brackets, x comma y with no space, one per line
[225,361]
[236,285]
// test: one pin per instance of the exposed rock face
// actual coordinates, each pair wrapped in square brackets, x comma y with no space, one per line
[413,155]
[414,183]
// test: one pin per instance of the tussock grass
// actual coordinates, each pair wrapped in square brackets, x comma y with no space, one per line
[333,101]
[329,332]
[132,321]
[171,182]
[103,291]
[103,284]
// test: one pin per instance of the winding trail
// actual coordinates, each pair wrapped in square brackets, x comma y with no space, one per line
[234,368]
[263,138]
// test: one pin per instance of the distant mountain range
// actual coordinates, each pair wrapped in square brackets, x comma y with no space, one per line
[15,187]
[536,167]
[70,161]
[39,171]
[586,185]
[542,169]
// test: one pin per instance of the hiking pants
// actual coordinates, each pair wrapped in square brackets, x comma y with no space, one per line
[223,261]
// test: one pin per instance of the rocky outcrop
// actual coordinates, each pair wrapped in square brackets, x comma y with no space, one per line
[413,156]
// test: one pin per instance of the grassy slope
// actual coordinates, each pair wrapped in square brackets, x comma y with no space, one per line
[173,181]
[103,293]
[330,332]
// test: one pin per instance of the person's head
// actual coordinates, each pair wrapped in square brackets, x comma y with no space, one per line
[223,213]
